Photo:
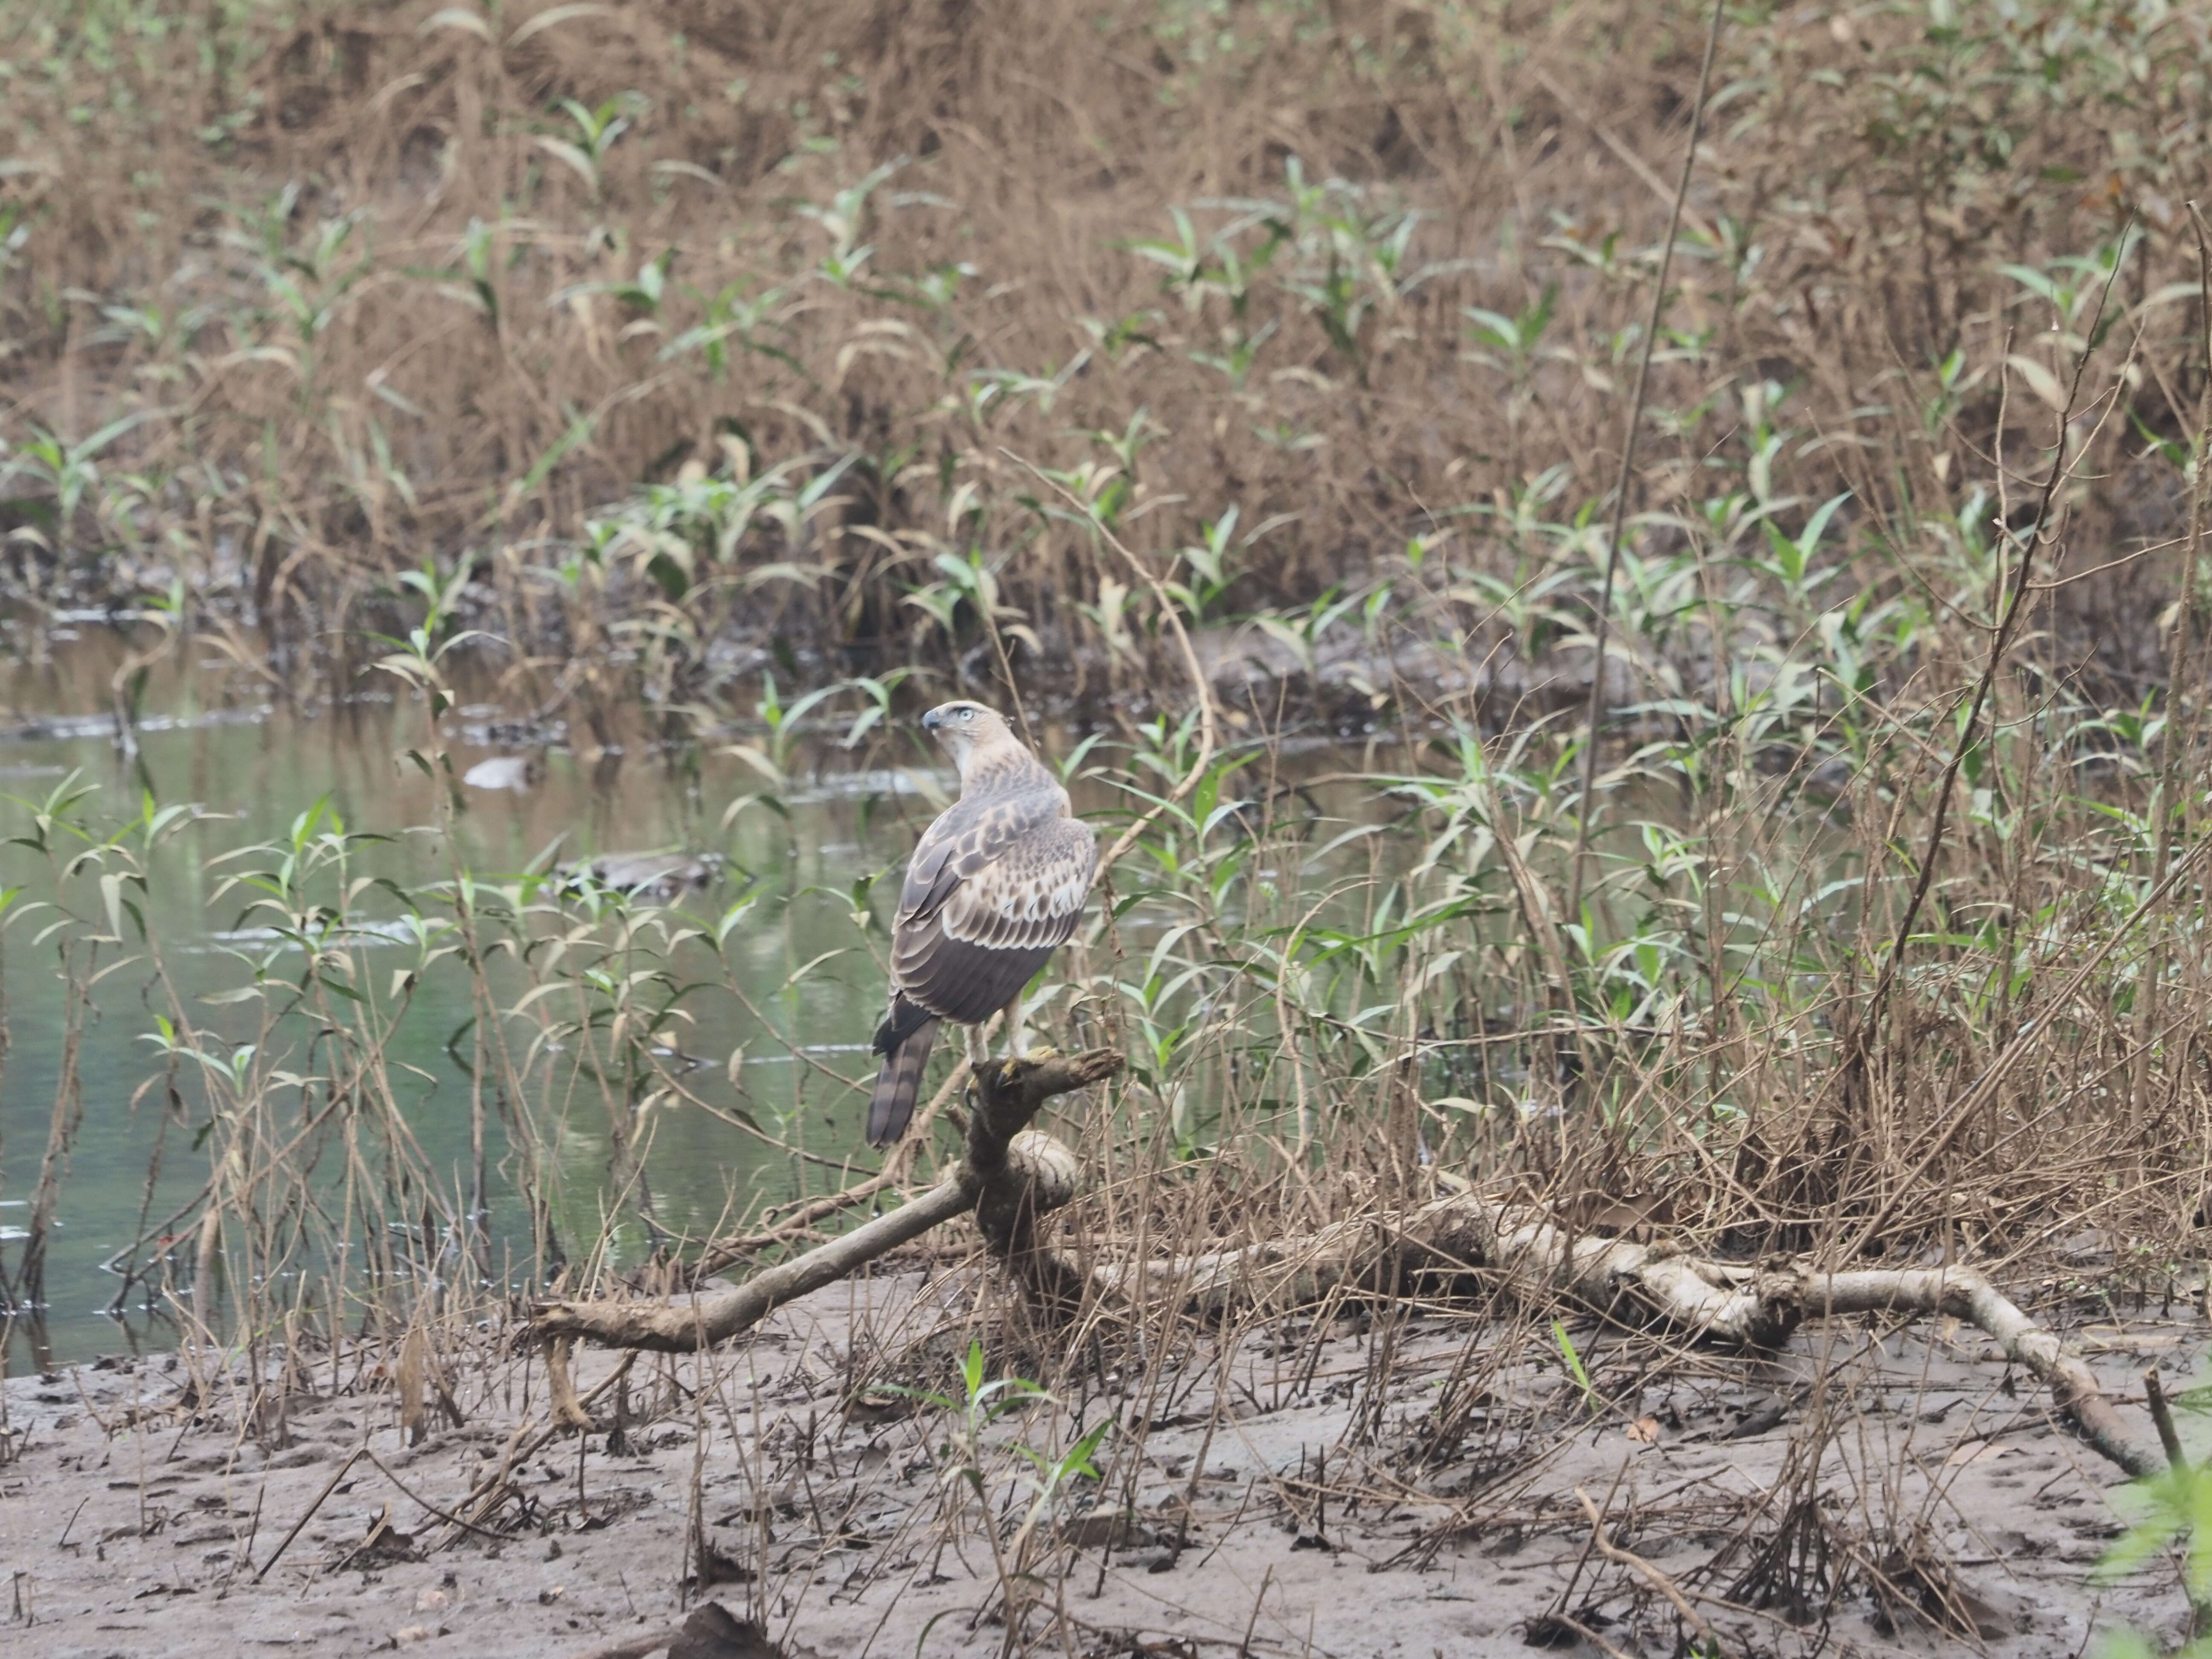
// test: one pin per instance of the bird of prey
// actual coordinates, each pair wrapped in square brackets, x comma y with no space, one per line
[997,883]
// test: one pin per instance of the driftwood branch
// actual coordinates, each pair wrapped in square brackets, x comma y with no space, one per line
[1961,1293]
[788,1225]
[1010,1176]
[1538,1260]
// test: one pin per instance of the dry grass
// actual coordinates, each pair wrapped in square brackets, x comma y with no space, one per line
[380,297]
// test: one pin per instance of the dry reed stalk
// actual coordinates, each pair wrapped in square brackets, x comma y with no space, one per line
[1594,718]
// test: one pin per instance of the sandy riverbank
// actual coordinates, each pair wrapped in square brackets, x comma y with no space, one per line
[1317,1492]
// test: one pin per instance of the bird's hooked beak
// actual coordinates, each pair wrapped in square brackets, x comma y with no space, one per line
[932,720]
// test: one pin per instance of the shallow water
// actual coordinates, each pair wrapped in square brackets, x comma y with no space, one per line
[219,742]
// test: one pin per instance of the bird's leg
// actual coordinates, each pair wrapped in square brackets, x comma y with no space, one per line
[1018,1033]
[978,1056]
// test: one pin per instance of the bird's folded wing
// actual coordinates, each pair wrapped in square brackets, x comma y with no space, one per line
[980,943]
[968,837]
[1029,897]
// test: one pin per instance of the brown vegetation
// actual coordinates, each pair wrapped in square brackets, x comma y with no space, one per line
[391,283]
[1220,370]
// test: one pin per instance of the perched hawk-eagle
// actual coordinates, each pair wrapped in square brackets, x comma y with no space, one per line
[997,884]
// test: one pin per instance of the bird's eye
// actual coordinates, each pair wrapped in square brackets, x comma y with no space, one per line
[967,714]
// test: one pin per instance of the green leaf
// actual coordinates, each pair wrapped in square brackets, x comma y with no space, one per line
[1573,1361]
[971,1368]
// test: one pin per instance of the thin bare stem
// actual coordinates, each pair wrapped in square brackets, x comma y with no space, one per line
[1594,717]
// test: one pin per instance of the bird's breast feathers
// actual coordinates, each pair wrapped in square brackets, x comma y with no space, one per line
[998,883]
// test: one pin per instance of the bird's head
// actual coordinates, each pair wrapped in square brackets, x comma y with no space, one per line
[963,728]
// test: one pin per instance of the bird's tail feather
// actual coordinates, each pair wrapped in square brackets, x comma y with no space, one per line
[897,1083]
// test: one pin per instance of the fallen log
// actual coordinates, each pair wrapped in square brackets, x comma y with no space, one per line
[1010,1175]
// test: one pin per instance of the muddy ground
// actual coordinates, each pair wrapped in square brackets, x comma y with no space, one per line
[1405,1485]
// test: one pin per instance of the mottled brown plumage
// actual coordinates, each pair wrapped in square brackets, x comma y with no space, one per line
[997,884]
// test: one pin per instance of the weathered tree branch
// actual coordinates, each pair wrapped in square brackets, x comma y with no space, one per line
[1538,1260]
[802,1218]
[1962,1294]
[1009,1176]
